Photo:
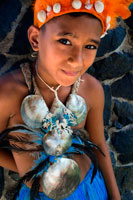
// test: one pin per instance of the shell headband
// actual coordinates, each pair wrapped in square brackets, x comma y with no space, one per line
[106,10]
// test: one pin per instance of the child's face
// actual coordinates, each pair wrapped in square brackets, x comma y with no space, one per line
[67,48]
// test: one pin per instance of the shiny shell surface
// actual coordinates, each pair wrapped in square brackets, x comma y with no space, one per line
[61,178]
[41,16]
[33,110]
[56,144]
[57,107]
[78,106]
[99,6]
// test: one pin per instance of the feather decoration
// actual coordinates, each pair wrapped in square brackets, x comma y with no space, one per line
[17,189]
[88,143]
[35,189]
[32,174]
[8,130]
[19,139]
[91,155]
[36,135]
[16,148]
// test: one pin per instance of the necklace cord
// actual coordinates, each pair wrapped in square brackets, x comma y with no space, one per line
[51,88]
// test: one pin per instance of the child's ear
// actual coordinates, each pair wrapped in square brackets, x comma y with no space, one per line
[33,34]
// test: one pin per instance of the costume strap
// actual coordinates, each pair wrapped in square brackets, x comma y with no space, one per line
[76,86]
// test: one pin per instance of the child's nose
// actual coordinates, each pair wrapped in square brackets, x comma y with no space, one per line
[76,58]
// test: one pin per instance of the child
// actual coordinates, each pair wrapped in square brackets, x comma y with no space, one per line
[49,103]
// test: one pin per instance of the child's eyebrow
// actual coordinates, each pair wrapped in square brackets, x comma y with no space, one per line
[74,36]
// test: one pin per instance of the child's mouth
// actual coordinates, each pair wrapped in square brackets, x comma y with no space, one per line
[70,73]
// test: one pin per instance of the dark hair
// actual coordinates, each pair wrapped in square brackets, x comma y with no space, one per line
[74,14]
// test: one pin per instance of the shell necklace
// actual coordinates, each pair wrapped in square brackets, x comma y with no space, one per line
[51,88]
[56,138]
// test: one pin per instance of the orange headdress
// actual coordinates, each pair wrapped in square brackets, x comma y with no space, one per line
[106,10]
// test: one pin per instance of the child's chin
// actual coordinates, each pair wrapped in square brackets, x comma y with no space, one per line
[67,83]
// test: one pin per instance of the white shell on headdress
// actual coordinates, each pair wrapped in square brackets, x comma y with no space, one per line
[76,4]
[108,19]
[99,6]
[103,35]
[108,26]
[88,6]
[49,8]
[56,7]
[33,110]
[41,16]
[78,106]
[61,178]
[88,2]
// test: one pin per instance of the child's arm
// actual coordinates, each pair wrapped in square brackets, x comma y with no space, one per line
[6,158]
[95,128]
[7,161]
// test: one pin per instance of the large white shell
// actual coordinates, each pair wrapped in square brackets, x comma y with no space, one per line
[33,110]
[41,16]
[99,6]
[78,106]
[61,178]
[56,144]
[76,4]
[56,7]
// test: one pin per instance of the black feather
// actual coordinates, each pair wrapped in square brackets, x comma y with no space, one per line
[88,143]
[19,139]
[16,148]
[90,153]
[32,174]
[15,128]
[35,189]
[17,189]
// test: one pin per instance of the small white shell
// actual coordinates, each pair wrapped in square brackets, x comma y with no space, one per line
[108,26]
[108,19]
[103,35]
[99,6]
[88,2]
[49,8]
[88,6]
[56,7]
[76,4]
[41,16]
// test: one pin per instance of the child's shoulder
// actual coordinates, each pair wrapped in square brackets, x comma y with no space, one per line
[91,90]
[12,89]
[11,83]
[91,84]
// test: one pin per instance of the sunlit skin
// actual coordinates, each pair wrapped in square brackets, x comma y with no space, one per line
[66,48]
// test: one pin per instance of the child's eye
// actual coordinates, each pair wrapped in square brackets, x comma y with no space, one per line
[64,41]
[91,47]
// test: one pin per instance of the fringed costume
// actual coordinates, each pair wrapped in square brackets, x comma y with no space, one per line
[56,143]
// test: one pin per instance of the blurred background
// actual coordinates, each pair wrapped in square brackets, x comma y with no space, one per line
[113,67]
